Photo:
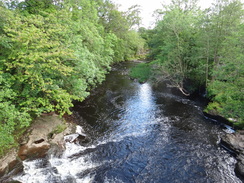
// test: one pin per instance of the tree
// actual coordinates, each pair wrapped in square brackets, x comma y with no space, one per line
[226,86]
[175,42]
[36,6]
[204,48]
[128,41]
[225,16]
[133,16]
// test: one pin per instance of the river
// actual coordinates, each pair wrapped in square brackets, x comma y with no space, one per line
[137,133]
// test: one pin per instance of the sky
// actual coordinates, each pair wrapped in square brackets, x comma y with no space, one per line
[149,6]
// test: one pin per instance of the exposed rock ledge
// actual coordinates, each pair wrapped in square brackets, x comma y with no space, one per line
[235,143]
[45,131]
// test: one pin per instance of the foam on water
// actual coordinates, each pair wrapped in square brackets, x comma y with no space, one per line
[67,167]
[59,169]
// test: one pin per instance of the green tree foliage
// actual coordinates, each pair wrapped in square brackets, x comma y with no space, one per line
[53,52]
[174,43]
[204,47]
[120,24]
[36,6]
[227,86]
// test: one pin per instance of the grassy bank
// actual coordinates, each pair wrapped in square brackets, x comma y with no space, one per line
[141,72]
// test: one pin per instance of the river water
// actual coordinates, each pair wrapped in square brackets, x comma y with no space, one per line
[137,133]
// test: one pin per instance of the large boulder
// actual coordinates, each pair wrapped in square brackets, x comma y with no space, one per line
[235,143]
[45,132]
[37,142]
[8,162]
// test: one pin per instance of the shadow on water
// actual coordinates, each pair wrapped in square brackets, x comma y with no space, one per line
[138,133]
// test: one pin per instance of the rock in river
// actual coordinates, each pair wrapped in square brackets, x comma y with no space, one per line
[36,142]
[235,143]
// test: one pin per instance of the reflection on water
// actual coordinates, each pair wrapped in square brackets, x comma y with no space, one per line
[145,95]
[138,134]
[139,113]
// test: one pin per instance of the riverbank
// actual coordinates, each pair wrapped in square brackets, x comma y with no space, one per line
[45,131]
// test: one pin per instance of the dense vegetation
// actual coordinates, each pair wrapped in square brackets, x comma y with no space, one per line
[195,49]
[53,52]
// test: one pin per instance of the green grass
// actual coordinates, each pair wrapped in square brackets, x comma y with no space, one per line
[141,72]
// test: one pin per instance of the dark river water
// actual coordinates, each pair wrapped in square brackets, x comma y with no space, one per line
[137,133]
